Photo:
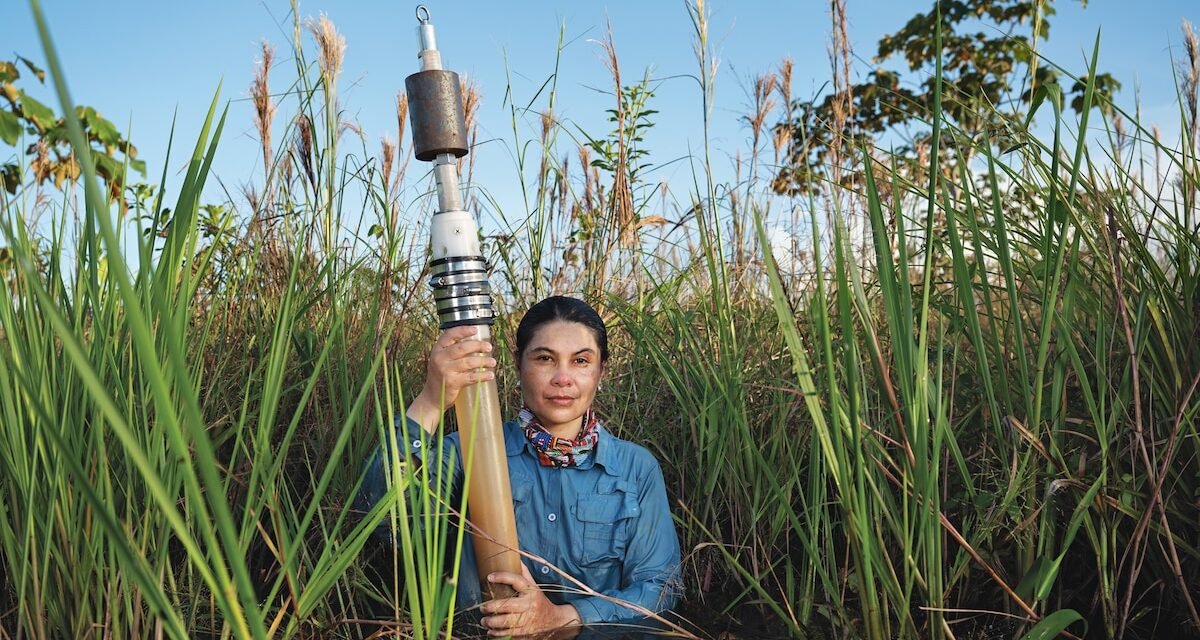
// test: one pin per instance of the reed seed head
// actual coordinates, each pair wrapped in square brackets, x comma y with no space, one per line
[547,118]
[764,104]
[387,156]
[331,46]
[784,85]
[471,98]
[1191,78]
[264,107]
[585,165]
[304,148]
[401,116]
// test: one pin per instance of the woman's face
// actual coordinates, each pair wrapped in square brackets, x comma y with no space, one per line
[560,371]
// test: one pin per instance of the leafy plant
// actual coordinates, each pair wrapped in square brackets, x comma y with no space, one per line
[50,153]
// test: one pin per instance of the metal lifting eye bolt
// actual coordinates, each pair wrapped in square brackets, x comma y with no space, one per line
[439,134]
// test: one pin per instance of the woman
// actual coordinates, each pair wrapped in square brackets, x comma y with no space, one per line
[587,502]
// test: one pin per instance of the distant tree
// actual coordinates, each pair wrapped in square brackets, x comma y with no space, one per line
[980,70]
[49,150]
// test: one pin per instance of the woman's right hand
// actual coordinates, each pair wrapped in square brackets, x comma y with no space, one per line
[458,359]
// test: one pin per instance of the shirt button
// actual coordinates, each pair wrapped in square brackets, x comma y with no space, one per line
[545,569]
[416,444]
[552,517]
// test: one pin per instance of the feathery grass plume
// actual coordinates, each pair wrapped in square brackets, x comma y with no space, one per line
[547,121]
[286,172]
[264,107]
[563,215]
[763,104]
[471,97]
[623,214]
[402,166]
[401,116]
[589,189]
[349,125]
[387,156]
[843,104]
[546,118]
[304,148]
[331,46]
[704,55]
[764,86]
[782,134]
[401,124]
[1191,79]
[564,189]
[250,193]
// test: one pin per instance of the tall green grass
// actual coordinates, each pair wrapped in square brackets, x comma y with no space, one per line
[966,409]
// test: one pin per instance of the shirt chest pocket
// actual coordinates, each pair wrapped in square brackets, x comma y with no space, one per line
[522,488]
[606,522]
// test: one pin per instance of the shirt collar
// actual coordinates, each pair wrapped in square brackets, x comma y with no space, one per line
[515,443]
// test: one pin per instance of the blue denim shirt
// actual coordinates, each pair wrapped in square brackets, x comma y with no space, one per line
[606,522]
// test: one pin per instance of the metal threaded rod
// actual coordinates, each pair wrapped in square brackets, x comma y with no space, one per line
[458,277]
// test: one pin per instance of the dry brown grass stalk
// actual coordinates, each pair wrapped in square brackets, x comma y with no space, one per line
[547,122]
[1190,76]
[589,191]
[708,61]
[264,106]
[401,115]
[471,98]
[304,148]
[387,157]
[401,122]
[764,104]
[564,189]
[622,195]
[783,87]
[839,59]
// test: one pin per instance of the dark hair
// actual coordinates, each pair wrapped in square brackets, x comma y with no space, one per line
[567,310]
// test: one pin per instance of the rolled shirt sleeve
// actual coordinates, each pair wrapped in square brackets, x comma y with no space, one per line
[408,441]
[650,569]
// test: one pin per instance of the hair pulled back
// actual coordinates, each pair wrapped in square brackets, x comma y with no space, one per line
[568,310]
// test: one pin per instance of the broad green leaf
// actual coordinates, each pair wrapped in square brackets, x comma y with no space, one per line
[39,114]
[99,128]
[1052,625]
[10,127]
[1050,90]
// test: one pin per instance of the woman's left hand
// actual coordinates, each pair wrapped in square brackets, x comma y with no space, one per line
[527,613]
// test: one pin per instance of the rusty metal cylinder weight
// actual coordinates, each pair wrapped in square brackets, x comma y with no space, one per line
[436,110]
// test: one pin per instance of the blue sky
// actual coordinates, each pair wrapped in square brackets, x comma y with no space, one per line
[140,62]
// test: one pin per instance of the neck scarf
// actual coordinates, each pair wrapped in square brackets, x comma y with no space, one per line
[560,452]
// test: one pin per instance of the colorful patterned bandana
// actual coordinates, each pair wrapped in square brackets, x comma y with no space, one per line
[560,452]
